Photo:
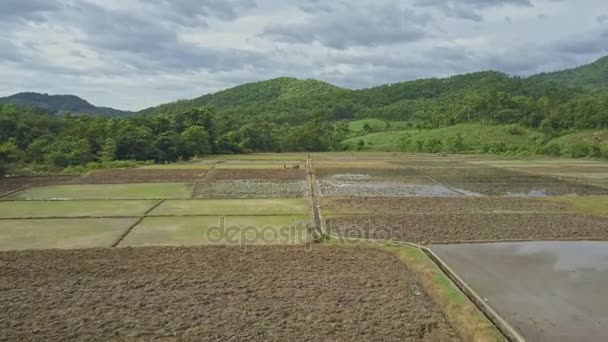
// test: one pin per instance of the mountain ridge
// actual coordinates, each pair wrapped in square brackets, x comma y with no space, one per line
[61,104]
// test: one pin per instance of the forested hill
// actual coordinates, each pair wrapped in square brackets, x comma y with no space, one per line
[60,104]
[278,100]
[594,75]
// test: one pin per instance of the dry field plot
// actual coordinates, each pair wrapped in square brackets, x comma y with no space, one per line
[14,183]
[250,189]
[143,175]
[231,207]
[61,233]
[441,228]
[106,191]
[216,230]
[216,293]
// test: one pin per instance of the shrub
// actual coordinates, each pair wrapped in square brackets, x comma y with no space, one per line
[494,147]
[514,130]
[455,144]
[552,150]
[579,150]
[432,145]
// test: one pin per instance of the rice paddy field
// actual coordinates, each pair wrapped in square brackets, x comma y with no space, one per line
[330,246]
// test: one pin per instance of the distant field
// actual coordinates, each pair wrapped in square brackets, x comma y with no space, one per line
[94,208]
[234,207]
[61,233]
[236,230]
[108,191]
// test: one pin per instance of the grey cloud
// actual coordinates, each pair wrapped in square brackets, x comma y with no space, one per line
[27,9]
[589,44]
[345,26]
[145,42]
[601,19]
[189,12]
[468,9]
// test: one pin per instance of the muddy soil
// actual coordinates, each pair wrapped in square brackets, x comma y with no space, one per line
[427,228]
[384,189]
[556,188]
[215,293]
[380,175]
[258,174]
[440,205]
[8,184]
[142,176]
[250,189]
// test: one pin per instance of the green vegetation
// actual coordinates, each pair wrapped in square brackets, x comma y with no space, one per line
[202,230]
[49,209]
[589,76]
[367,126]
[61,233]
[493,112]
[234,207]
[108,191]
[463,138]
[60,104]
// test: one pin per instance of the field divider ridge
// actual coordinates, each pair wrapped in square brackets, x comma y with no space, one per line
[447,186]
[12,192]
[138,221]
[313,198]
[508,332]
[502,325]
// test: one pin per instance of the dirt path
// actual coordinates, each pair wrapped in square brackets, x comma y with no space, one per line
[215,293]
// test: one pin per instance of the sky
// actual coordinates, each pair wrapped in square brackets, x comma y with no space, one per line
[133,54]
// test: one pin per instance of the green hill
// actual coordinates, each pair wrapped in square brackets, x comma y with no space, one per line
[594,75]
[278,100]
[60,104]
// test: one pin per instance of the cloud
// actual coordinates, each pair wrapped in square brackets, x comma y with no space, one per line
[27,9]
[468,9]
[344,25]
[137,53]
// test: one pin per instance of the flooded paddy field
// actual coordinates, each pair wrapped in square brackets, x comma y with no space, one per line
[547,291]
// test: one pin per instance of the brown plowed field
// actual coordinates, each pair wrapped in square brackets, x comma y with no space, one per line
[258,174]
[440,205]
[8,184]
[142,175]
[215,293]
[426,228]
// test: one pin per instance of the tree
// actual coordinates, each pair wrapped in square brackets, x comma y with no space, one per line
[68,151]
[9,154]
[196,141]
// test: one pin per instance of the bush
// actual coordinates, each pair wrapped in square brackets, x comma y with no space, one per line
[432,145]
[514,130]
[579,150]
[494,147]
[552,150]
[595,151]
[455,144]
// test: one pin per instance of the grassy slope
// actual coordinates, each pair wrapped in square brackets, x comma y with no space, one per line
[588,76]
[474,135]
[588,137]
